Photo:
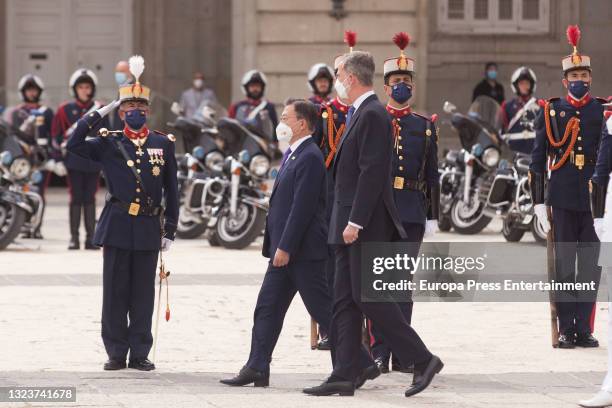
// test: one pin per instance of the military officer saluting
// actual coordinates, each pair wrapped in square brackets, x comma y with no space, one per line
[567,140]
[140,169]
[414,172]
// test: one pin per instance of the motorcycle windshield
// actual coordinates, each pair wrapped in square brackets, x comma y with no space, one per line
[209,112]
[487,112]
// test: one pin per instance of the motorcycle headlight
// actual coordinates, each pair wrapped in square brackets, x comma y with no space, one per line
[490,157]
[214,161]
[198,152]
[6,158]
[259,165]
[20,168]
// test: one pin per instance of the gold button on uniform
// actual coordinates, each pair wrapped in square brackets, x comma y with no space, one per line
[138,190]
[401,147]
[138,170]
[137,200]
[138,161]
[401,157]
[401,168]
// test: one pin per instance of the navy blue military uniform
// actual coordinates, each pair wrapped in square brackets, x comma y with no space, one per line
[568,195]
[83,177]
[414,173]
[131,242]
[510,109]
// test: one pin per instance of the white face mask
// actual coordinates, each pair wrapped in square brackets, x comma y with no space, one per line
[198,83]
[284,133]
[341,89]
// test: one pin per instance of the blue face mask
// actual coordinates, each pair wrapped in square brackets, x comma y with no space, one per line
[121,78]
[578,88]
[135,118]
[401,92]
[492,75]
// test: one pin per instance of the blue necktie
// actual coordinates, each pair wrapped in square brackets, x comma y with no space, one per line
[285,157]
[349,115]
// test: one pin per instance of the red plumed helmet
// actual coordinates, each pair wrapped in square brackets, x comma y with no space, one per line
[573,35]
[402,40]
[350,37]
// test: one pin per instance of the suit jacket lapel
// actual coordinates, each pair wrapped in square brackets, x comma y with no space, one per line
[353,121]
[290,158]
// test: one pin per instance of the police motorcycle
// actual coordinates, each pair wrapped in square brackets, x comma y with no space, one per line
[21,206]
[463,172]
[208,186]
[506,193]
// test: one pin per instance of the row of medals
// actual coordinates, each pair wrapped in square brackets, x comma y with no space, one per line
[154,160]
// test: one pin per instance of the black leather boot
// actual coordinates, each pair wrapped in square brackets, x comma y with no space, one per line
[89,215]
[75,221]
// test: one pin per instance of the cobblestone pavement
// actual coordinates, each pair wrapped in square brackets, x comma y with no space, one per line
[496,354]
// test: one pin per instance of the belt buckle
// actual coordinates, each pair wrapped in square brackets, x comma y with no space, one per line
[134,209]
[398,183]
[579,161]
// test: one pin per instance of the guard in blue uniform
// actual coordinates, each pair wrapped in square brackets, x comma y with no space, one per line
[34,120]
[520,112]
[83,178]
[255,111]
[567,140]
[414,173]
[320,82]
[140,169]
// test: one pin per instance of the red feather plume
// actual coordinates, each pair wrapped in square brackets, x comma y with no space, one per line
[573,35]
[350,37]
[401,40]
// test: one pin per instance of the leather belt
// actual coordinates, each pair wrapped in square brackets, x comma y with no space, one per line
[401,183]
[135,209]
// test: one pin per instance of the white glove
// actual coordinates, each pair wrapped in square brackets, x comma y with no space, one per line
[165,245]
[50,165]
[431,227]
[103,111]
[60,169]
[542,217]
[598,223]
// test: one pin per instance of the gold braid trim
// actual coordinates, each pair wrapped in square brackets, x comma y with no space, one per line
[573,127]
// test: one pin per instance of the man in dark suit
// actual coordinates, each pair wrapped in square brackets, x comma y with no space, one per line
[295,239]
[364,211]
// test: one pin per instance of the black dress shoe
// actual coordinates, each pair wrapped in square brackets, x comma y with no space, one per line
[383,366]
[112,365]
[423,378]
[142,364]
[90,245]
[567,341]
[247,376]
[73,244]
[368,373]
[586,340]
[332,386]
[323,344]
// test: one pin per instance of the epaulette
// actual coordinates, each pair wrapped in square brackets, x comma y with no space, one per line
[541,103]
[607,114]
[429,119]
[601,100]
[556,98]
[170,136]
